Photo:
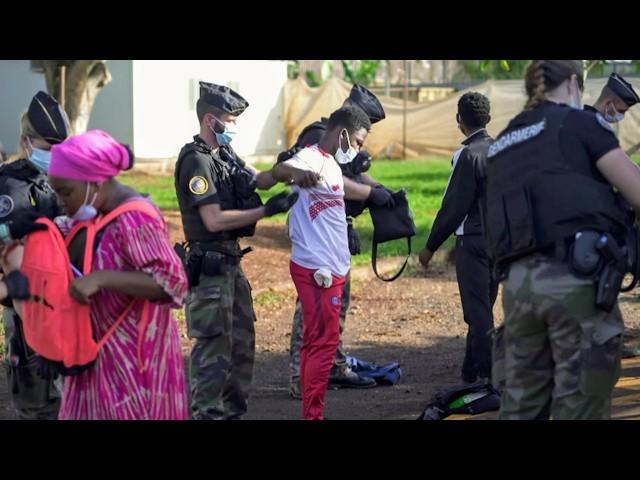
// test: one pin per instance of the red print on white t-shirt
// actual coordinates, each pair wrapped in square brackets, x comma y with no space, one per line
[321,201]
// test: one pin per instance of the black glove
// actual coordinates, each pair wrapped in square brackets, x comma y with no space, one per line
[26,225]
[353,237]
[280,203]
[17,285]
[361,162]
[286,155]
[381,197]
[46,369]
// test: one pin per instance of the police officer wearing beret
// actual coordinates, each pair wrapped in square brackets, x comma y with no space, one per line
[24,196]
[556,229]
[341,375]
[616,98]
[218,205]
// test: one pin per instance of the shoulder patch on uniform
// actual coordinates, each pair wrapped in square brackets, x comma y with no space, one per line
[603,123]
[198,185]
[6,205]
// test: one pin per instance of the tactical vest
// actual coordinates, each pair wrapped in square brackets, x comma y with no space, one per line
[535,197]
[234,184]
[320,125]
[23,188]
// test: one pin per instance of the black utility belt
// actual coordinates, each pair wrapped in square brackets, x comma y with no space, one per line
[559,250]
[596,256]
[214,263]
[211,259]
[233,253]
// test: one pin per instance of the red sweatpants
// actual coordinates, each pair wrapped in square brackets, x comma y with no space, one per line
[320,336]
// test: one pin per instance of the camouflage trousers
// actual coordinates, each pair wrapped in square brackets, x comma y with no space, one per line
[32,397]
[296,334]
[220,318]
[557,356]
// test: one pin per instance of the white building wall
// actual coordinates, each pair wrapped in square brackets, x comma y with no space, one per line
[18,85]
[164,101]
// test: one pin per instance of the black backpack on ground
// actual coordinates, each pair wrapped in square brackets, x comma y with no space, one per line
[472,399]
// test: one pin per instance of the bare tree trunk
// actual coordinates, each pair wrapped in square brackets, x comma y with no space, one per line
[387,78]
[84,79]
[588,66]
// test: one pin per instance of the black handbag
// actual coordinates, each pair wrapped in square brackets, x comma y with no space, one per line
[392,224]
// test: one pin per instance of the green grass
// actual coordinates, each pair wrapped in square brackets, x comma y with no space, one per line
[269,298]
[160,187]
[424,179]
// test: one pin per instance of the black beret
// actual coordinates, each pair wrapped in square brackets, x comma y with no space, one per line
[623,89]
[367,101]
[48,119]
[223,98]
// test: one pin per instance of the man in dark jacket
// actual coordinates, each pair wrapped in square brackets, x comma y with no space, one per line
[462,213]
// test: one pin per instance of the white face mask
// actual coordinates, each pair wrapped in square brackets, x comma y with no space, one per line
[615,117]
[348,156]
[86,211]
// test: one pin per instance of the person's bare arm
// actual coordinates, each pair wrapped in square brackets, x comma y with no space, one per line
[622,173]
[216,220]
[136,284]
[284,172]
[368,180]
[264,180]
[355,191]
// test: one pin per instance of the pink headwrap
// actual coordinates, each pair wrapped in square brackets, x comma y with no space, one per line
[94,156]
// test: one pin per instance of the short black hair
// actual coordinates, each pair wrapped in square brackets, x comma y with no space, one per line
[350,117]
[608,94]
[202,108]
[474,109]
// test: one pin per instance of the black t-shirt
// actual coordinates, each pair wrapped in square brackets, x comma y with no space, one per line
[588,132]
[197,179]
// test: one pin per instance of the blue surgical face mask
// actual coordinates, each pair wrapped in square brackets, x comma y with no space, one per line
[226,136]
[614,117]
[86,211]
[40,158]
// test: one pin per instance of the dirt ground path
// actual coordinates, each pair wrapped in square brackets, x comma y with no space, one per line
[416,321]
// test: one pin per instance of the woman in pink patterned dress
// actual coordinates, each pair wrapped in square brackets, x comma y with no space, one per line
[137,375]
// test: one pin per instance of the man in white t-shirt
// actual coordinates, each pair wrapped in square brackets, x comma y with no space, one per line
[320,257]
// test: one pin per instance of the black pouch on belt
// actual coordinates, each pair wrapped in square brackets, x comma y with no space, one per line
[585,259]
[212,264]
[612,275]
[193,266]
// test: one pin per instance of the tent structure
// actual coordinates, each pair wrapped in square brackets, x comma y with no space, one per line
[431,129]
